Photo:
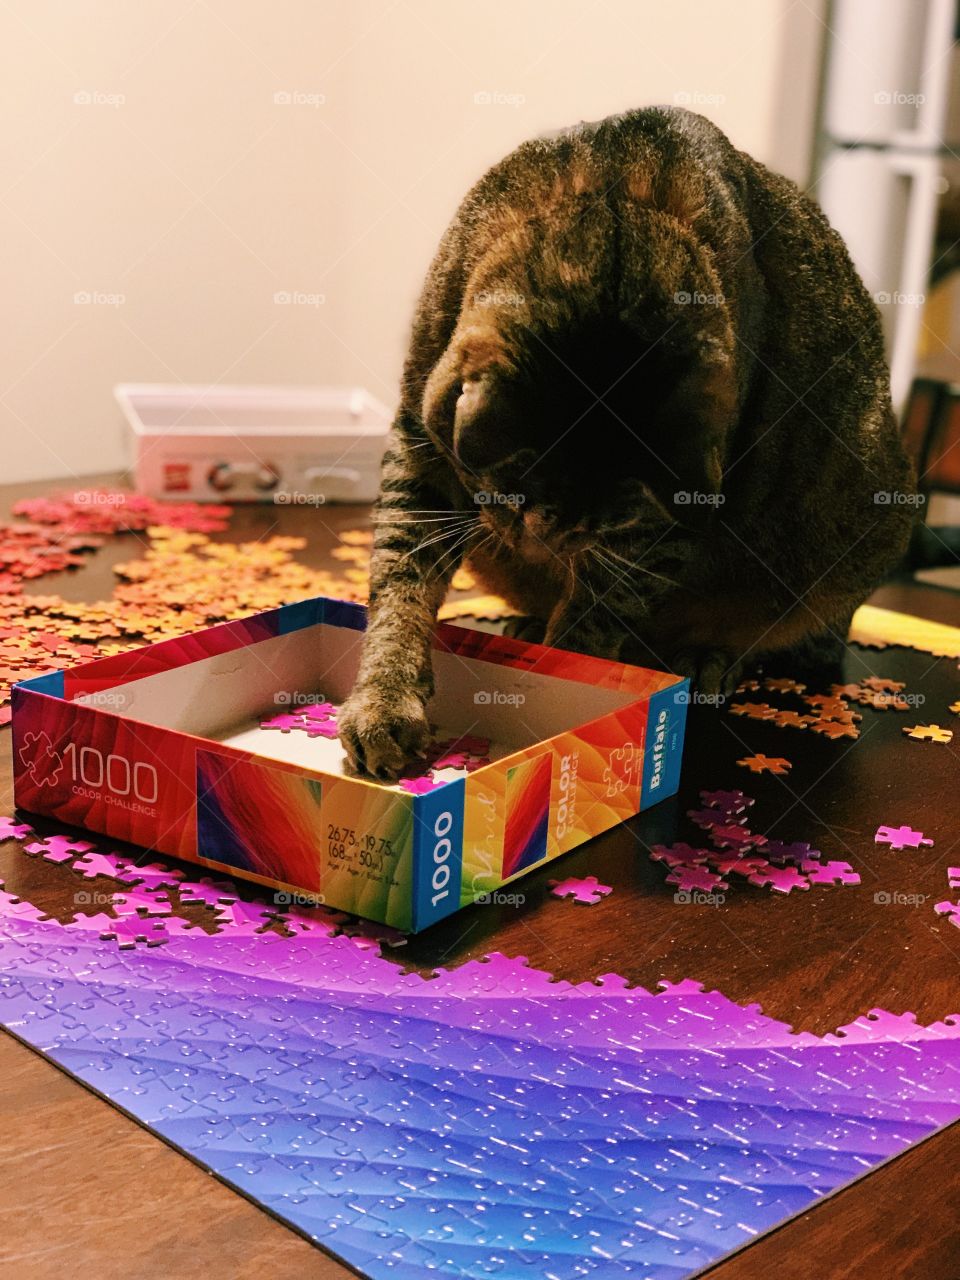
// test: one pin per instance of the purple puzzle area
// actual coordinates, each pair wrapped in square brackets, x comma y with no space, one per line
[486,1120]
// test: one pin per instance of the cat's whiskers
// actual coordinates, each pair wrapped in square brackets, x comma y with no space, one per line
[464,537]
[453,531]
[613,565]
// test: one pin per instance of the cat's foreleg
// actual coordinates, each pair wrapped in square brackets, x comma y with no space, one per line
[419,543]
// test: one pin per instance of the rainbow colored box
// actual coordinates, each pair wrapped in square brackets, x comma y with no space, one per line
[162,747]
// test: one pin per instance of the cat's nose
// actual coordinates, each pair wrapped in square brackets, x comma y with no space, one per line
[540,524]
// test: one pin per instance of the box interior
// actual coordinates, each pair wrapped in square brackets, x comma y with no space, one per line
[224,697]
[268,411]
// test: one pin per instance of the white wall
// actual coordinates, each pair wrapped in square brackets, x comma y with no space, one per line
[145,158]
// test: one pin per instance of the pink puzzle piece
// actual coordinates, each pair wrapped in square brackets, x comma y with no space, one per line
[696,879]
[780,879]
[321,711]
[13,830]
[129,931]
[739,864]
[678,855]
[899,838]
[138,902]
[727,801]
[94,864]
[11,905]
[799,851]
[150,876]
[316,729]
[708,818]
[419,786]
[286,722]
[368,936]
[734,837]
[949,909]
[953,874]
[588,891]
[829,872]
[211,893]
[58,848]
[244,917]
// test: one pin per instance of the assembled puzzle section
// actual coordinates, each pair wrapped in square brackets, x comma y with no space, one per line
[168,747]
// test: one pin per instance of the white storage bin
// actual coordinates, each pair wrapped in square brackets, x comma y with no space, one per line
[295,445]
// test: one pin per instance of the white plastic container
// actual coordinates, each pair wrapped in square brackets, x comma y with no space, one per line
[289,445]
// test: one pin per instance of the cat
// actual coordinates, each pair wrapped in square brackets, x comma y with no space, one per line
[646,399]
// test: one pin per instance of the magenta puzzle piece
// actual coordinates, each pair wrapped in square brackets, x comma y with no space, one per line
[780,879]
[10,829]
[678,855]
[139,902]
[588,891]
[58,848]
[726,801]
[153,875]
[901,838]
[93,864]
[696,879]
[829,872]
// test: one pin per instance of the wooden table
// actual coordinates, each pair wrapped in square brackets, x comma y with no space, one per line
[86,1192]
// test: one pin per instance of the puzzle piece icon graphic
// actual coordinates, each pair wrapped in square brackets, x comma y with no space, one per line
[899,838]
[624,768]
[40,760]
[587,891]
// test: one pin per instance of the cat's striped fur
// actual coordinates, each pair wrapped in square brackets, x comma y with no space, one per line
[646,396]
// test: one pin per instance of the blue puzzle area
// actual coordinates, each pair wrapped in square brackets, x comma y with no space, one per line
[487,1121]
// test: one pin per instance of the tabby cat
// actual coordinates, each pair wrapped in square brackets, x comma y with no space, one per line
[646,398]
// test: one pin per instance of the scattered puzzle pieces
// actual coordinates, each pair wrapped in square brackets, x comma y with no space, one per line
[587,891]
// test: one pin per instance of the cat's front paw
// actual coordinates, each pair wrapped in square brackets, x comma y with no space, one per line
[381,728]
[712,672]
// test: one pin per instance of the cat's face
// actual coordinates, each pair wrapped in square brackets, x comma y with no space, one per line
[572,446]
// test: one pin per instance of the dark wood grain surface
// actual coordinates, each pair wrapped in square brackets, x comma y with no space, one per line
[85,1191]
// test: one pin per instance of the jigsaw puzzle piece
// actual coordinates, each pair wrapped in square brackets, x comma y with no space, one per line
[587,891]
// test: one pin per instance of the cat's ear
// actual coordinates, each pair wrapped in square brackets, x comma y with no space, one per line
[689,444]
[464,405]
